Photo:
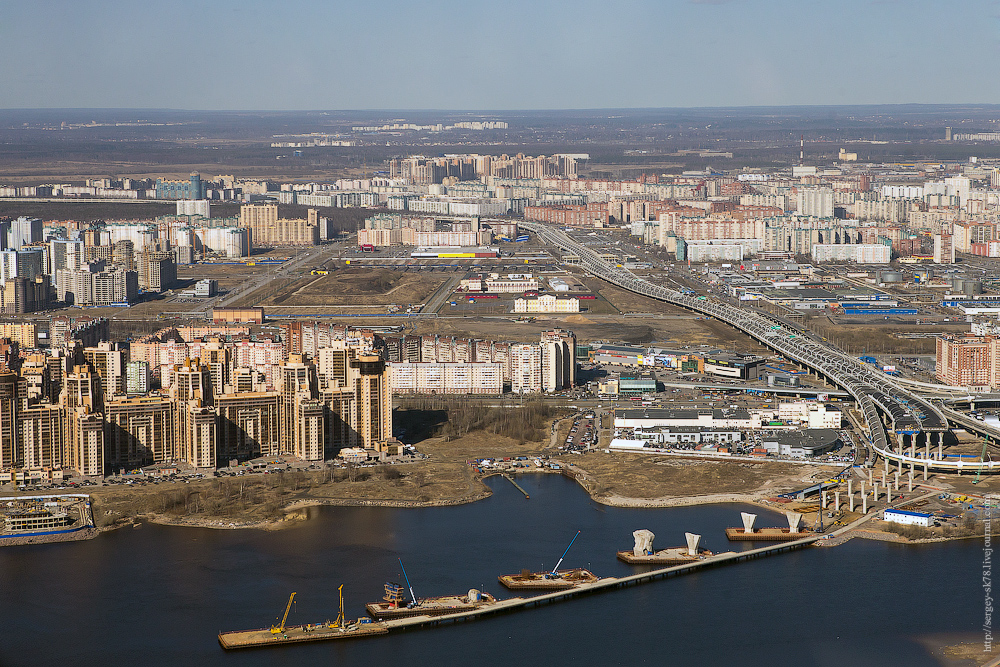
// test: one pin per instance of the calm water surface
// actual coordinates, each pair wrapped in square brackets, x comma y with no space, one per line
[159,595]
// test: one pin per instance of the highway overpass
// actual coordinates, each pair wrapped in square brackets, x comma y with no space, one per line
[888,407]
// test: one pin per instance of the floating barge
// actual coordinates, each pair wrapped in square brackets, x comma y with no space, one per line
[671,556]
[281,634]
[556,580]
[548,581]
[643,554]
[394,606]
[299,633]
[767,535]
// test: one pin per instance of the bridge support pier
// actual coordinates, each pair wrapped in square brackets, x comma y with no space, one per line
[836,501]
[850,486]
[909,482]
[896,481]
[850,502]
[886,469]
[874,492]
[864,504]
[822,503]
[863,494]
[940,445]
[925,472]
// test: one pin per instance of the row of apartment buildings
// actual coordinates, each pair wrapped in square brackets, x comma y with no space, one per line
[314,413]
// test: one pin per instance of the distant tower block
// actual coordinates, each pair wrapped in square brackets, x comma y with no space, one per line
[748,520]
[793,521]
[643,542]
[692,541]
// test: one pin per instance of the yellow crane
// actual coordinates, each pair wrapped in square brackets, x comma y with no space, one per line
[281,628]
[341,622]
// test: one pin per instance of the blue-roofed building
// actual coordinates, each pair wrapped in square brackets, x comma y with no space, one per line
[908,518]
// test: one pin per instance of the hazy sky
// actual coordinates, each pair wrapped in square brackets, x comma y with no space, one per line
[514,54]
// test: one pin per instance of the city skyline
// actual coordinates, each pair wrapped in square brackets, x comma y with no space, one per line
[529,56]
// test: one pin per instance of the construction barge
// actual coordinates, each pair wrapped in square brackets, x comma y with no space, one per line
[749,534]
[642,553]
[295,634]
[766,535]
[394,606]
[281,634]
[556,580]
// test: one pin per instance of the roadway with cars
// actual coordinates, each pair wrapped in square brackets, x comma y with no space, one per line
[883,402]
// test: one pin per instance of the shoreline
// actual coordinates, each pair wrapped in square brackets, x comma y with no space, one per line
[296,511]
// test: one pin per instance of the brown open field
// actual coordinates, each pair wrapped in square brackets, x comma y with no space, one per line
[647,477]
[627,302]
[879,337]
[358,287]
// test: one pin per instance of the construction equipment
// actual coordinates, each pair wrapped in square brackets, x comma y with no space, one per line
[281,628]
[553,572]
[982,460]
[413,598]
[341,621]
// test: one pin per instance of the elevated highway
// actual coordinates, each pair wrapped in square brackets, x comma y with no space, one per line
[888,407]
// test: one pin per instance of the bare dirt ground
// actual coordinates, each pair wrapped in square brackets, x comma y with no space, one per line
[627,302]
[619,476]
[358,286]
[879,338]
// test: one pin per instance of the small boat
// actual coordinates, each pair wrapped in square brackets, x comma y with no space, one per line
[554,580]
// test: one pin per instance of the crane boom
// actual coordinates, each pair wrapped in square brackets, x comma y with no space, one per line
[564,553]
[413,598]
[281,628]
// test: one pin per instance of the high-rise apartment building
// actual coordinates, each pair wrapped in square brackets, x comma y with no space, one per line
[139,431]
[86,441]
[969,361]
[567,342]
[373,400]
[815,202]
[137,378]
[157,268]
[552,366]
[525,368]
[41,436]
[108,361]
[266,229]
[10,454]
[249,425]
[944,249]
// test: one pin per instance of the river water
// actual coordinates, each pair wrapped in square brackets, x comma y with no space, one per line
[159,595]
